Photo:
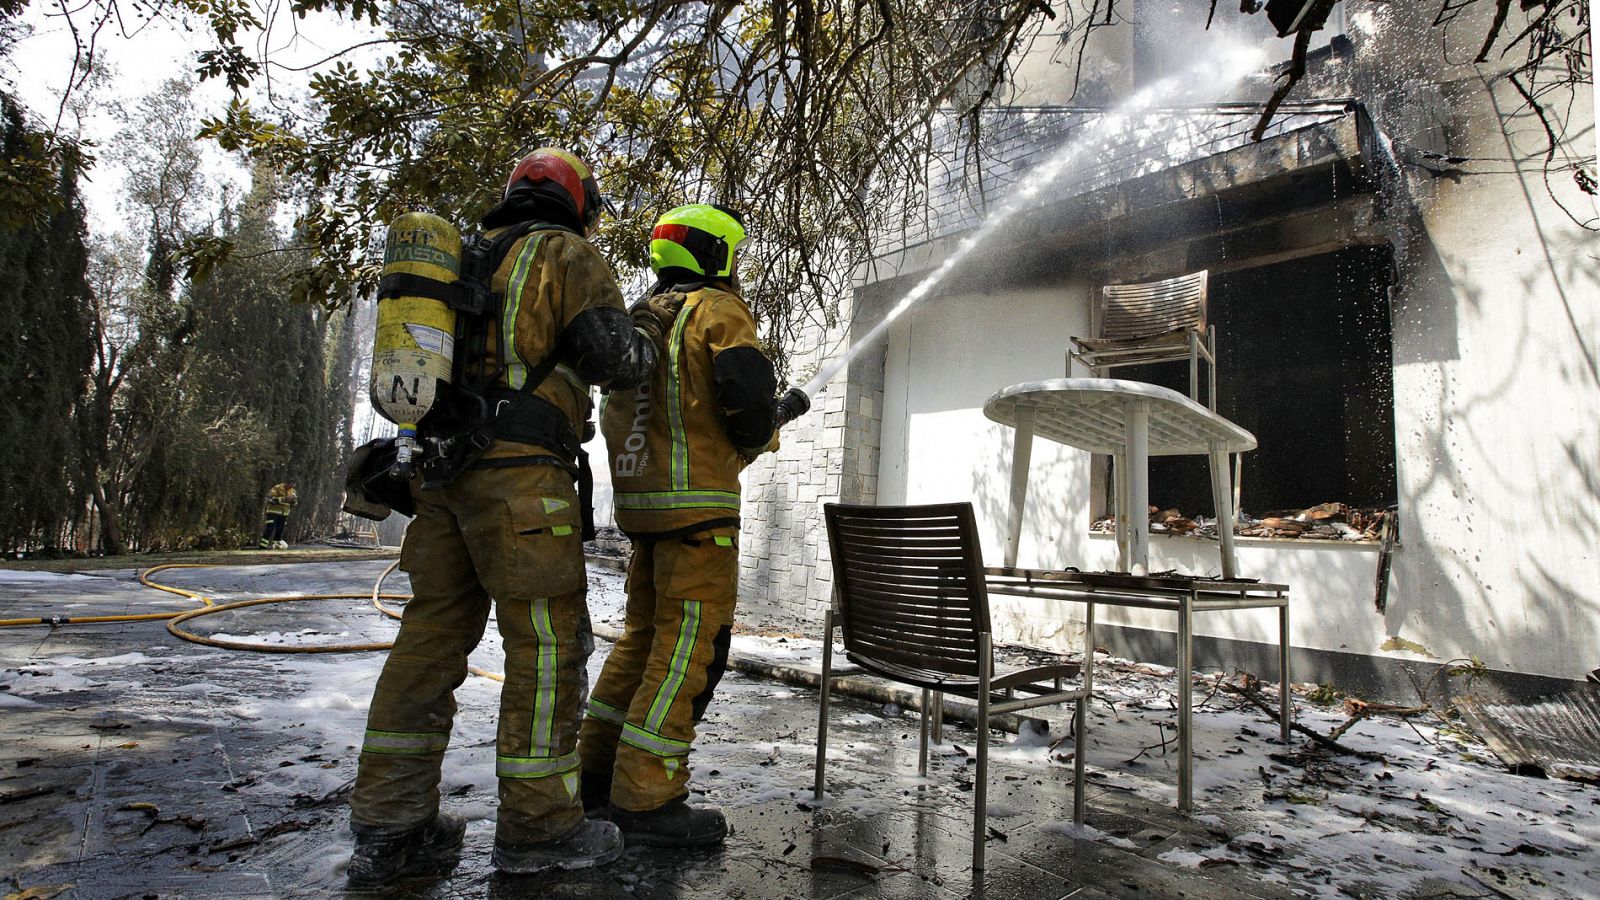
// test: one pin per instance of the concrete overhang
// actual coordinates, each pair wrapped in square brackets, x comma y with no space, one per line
[1300,191]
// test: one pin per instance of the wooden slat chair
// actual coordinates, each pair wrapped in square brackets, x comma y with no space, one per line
[909,592]
[1156,321]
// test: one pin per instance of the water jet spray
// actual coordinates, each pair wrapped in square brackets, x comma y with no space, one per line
[1217,73]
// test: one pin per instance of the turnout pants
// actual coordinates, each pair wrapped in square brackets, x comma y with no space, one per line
[512,534]
[656,683]
[274,530]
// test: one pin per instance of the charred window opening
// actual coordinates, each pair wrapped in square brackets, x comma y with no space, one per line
[1305,364]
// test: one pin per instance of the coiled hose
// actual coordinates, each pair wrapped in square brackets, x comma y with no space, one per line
[209,606]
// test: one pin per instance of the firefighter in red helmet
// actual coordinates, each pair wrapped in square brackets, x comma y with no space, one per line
[506,528]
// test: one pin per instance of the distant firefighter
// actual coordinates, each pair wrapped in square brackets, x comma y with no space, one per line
[280,500]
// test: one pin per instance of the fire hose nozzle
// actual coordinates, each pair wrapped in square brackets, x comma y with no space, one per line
[792,405]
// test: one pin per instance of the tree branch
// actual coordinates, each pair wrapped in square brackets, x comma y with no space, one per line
[1321,740]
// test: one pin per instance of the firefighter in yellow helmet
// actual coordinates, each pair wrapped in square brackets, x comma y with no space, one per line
[504,526]
[676,446]
[280,500]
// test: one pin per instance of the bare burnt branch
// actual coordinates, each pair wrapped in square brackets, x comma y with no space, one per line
[1501,10]
[1297,70]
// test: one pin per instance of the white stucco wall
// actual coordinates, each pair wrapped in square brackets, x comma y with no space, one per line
[1497,384]
[941,363]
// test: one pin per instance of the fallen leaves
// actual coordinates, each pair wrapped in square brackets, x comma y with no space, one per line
[271,831]
[193,823]
[853,865]
[40,892]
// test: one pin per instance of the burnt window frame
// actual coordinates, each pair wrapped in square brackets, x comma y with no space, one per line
[1185,477]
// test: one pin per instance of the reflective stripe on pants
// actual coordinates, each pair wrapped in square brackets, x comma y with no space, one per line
[655,685]
[506,533]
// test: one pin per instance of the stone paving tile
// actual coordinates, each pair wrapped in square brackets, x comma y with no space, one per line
[247,759]
[1117,872]
[224,747]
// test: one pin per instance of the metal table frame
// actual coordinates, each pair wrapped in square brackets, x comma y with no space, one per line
[1182,595]
[1132,421]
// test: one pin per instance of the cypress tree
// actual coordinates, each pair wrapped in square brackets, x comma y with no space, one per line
[263,401]
[48,346]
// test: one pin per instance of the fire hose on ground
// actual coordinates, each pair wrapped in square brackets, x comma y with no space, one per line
[376,596]
[144,579]
[843,685]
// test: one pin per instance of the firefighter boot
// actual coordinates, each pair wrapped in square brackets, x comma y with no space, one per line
[383,854]
[592,843]
[677,824]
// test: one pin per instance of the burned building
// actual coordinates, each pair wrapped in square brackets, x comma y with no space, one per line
[1407,311]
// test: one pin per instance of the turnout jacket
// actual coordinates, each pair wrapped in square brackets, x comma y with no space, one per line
[280,498]
[560,298]
[678,442]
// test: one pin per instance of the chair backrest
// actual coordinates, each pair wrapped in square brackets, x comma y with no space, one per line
[1153,307]
[911,590]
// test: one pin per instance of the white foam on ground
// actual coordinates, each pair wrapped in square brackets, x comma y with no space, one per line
[44,680]
[121,659]
[1183,858]
[17,576]
[1087,833]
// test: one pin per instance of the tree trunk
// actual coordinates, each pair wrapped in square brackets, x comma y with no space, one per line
[110,533]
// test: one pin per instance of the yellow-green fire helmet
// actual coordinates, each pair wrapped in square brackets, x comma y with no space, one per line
[700,238]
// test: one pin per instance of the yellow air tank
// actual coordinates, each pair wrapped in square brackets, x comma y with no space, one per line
[415,346]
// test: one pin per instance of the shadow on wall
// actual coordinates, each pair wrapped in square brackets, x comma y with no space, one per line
[1516,502]
[1563,597]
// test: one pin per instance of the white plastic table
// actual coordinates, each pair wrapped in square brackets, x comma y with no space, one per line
[1131,421]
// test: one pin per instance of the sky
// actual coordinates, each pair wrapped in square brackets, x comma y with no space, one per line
[40,65]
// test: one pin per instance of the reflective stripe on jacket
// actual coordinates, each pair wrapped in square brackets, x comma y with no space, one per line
[671,442]
[547,279]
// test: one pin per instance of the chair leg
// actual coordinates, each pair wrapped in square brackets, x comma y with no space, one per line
[937,722]
[1080,731]
[1211,342]
[1194,366]
[922,751]
[1238,484]
[1186,704]
[980,788]
[1080,744]
[822,705]
[1285,694]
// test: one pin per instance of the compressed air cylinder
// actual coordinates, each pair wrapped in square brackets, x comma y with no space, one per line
[415,345]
